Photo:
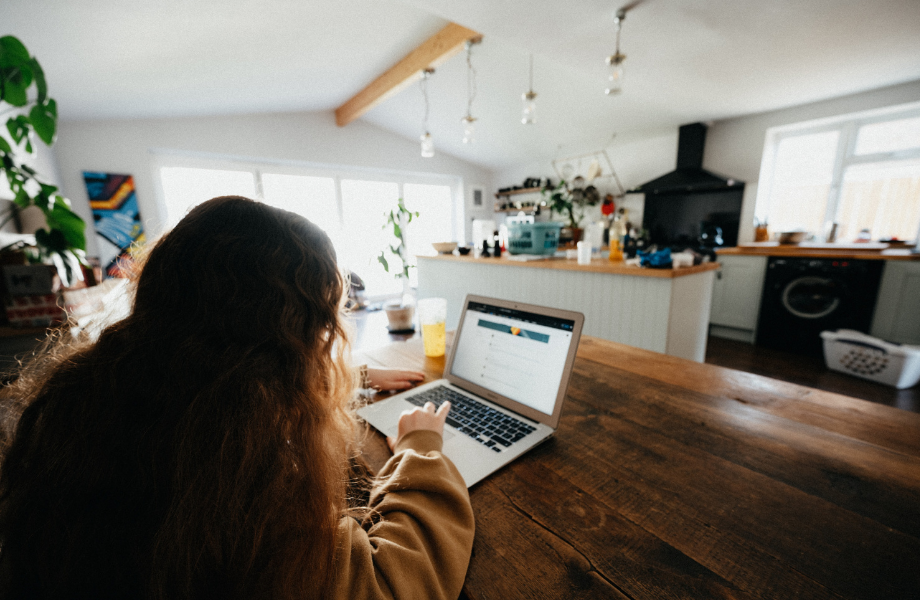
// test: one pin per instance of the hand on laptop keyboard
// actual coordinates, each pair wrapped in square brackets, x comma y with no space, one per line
[489,427]
[421,418]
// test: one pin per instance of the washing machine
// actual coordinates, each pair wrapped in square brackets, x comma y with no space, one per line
[804,296]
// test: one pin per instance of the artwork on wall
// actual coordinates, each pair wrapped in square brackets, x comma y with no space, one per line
[119,230]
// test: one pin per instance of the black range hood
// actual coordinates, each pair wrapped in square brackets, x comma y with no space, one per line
[689,177]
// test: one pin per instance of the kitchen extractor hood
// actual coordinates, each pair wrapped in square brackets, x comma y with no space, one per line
[689,177]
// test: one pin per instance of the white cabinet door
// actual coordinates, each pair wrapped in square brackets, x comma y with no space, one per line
[897,311]
[737,290]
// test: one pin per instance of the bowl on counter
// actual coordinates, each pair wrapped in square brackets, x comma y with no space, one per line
[444,247]
[791,237]
[464,250]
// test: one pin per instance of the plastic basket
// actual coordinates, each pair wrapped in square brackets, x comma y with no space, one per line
[870,358]
[533,238]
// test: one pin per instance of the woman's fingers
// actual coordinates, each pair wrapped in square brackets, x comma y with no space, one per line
[442,411]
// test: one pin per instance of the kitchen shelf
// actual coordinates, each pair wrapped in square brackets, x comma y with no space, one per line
[517,210]
[533,190]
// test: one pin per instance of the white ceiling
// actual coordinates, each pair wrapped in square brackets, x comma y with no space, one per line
[688,60]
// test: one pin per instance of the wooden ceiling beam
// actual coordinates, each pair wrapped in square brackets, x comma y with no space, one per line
[433,52]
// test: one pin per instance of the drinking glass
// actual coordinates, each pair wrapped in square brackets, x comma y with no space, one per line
[432,316]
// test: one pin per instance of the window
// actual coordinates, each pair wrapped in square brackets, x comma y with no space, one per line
[861,172]
[184,188]
[349,205]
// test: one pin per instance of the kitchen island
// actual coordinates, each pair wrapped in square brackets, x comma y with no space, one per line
[664,310]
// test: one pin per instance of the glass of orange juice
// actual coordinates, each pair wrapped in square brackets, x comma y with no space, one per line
[432,316]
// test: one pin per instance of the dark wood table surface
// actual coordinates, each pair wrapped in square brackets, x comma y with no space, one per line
[674,479]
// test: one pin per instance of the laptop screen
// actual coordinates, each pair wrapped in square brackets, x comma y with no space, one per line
[518,354]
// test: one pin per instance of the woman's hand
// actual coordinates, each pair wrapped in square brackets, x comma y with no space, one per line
[389,380]
[420,418]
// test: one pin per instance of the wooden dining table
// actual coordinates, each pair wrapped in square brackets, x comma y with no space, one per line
[673,479]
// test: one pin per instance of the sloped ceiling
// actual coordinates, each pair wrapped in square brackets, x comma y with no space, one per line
[688,60]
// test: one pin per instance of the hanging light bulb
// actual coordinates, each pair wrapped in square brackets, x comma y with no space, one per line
[469,129]
[529,114]
[615,61]
[427,145]
[468,121]
[426,139]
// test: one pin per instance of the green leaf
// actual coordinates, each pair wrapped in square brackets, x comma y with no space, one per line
[18,127]
[16,83]
[5,145]
[22,199]
[44,121]
[12,50]
[40,83]
[383,261]
[67,224]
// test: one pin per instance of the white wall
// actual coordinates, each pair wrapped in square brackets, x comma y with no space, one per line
[124,146]
[735,146]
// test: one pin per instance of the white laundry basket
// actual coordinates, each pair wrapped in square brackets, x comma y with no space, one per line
[862,355]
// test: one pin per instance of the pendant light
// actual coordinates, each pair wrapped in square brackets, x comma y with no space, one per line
[615,60]
[529,113]
[469,126]
[425,138]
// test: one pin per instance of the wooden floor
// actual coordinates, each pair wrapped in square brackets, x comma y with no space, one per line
[371,333]
[805,370]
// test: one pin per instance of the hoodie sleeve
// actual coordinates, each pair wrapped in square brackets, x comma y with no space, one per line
[418,540]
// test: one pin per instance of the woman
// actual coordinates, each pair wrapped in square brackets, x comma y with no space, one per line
[199,448]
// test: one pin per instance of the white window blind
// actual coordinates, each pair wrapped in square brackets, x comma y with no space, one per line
[861,172]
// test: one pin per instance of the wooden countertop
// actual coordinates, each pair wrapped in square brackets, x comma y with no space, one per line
[673,479]
[842,251]
[598,265]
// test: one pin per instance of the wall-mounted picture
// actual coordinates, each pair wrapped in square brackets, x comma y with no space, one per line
[119,229]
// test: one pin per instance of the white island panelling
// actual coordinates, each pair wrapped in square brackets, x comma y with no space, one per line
[652,310]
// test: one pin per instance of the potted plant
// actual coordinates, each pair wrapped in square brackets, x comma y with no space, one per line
[63,241]
[399,312]
[571,201]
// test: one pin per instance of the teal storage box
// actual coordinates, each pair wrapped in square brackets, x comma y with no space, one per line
[533,238]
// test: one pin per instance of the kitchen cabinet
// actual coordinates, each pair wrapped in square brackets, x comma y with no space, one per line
[897,312]
[736,294]
[664,310]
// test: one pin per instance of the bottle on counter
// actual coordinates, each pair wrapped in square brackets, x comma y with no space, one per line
[619,233]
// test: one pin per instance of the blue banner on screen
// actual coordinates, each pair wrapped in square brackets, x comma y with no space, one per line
[531,335]
[518,354]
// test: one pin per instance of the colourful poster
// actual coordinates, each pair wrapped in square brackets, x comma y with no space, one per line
[119,230]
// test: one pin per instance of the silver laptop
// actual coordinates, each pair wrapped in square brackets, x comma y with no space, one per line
[506,377]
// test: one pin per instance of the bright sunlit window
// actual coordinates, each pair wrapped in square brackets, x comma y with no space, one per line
[350,206]
[185,188]
[861,172]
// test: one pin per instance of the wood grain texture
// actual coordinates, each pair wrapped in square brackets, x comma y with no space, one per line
[431,53]
[794,251]
[672,479]
[598,265]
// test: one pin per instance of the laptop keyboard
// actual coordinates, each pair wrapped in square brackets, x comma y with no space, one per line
[489,427]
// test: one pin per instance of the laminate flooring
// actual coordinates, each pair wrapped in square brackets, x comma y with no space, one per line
[805,370]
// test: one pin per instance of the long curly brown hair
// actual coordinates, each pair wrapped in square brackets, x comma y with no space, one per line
[199,448]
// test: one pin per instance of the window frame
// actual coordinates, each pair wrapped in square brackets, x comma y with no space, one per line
[257,167]
[848,128]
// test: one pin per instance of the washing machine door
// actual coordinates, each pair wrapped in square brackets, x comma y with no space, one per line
[811,297]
